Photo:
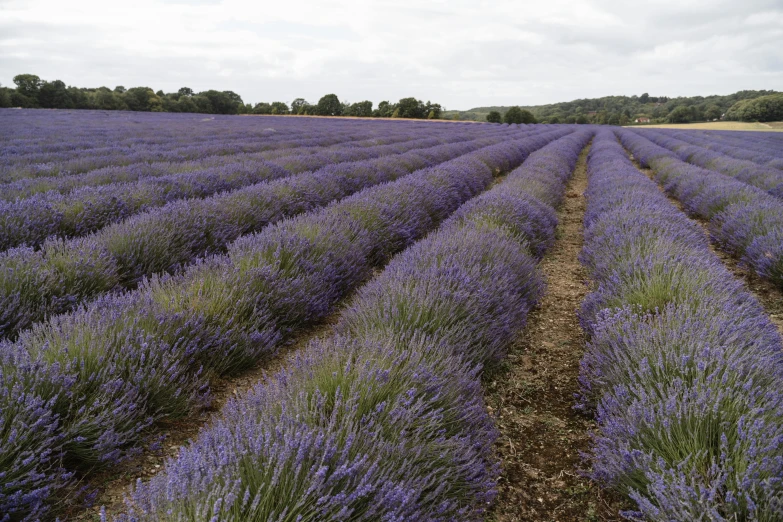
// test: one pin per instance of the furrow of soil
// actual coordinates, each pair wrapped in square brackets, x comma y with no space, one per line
[769,295]
[532,397]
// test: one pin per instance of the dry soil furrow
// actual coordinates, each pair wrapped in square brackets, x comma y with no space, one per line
[532,398]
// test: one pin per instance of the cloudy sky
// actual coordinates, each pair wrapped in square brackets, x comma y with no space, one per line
[461,54]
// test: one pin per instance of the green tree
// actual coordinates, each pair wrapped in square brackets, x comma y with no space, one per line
[518,115]
[329,105]
[28,85]
[187,104]
[223,102]
[80,98]
[120,89]
[411,108]
[385,110]
[644,98]
[762,108]
[494,117]
[107,100]
[5,97]
[528,117]
[681,114]
[54,95]
[142,99]
[713,112]
[185,91]
[170,102]
[262,108]
[361,109]
[299,105]
[279,108]
[432,110]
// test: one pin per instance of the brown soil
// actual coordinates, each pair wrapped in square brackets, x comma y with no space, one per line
[769,295]
[541,435]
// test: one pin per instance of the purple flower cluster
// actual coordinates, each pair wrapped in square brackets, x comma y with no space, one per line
[117,365]
[767,178]
[384,420]
[303,145]
[88,208]
[35,284]
[683,367]
[45,144]
[758,147]
[744,220]
[30,445]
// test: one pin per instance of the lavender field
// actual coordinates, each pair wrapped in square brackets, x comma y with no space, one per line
[148,261]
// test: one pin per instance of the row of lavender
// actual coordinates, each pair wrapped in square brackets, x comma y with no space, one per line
[123,139]
[35,284]
[683,367]
[744,220]
[385,420]
[766,178]
[744,146]
[47,138]
[32,220]
[292,154]
[93,381]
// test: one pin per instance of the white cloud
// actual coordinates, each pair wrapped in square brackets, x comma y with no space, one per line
[459,53]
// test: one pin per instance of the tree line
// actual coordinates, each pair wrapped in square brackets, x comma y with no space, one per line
[763,108]
[330,105]
[624,110]
[33,92]
[512,115]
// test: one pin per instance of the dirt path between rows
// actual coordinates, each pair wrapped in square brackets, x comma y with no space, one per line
[769,295]
[541,436]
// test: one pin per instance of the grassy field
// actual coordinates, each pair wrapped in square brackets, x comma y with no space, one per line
[776,126]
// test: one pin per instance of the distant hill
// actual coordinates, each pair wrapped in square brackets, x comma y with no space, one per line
[623,110]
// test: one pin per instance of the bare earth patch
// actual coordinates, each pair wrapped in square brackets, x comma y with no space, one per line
[532,398]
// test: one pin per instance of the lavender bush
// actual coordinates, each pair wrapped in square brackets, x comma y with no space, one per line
[89,208]
[66,143]
[128,360]
[766,178]
[744,220]
[761,148]
[683,367]
[30,442]
[164,239]
[385,420]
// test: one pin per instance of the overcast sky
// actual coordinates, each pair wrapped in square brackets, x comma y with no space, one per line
[461,54]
